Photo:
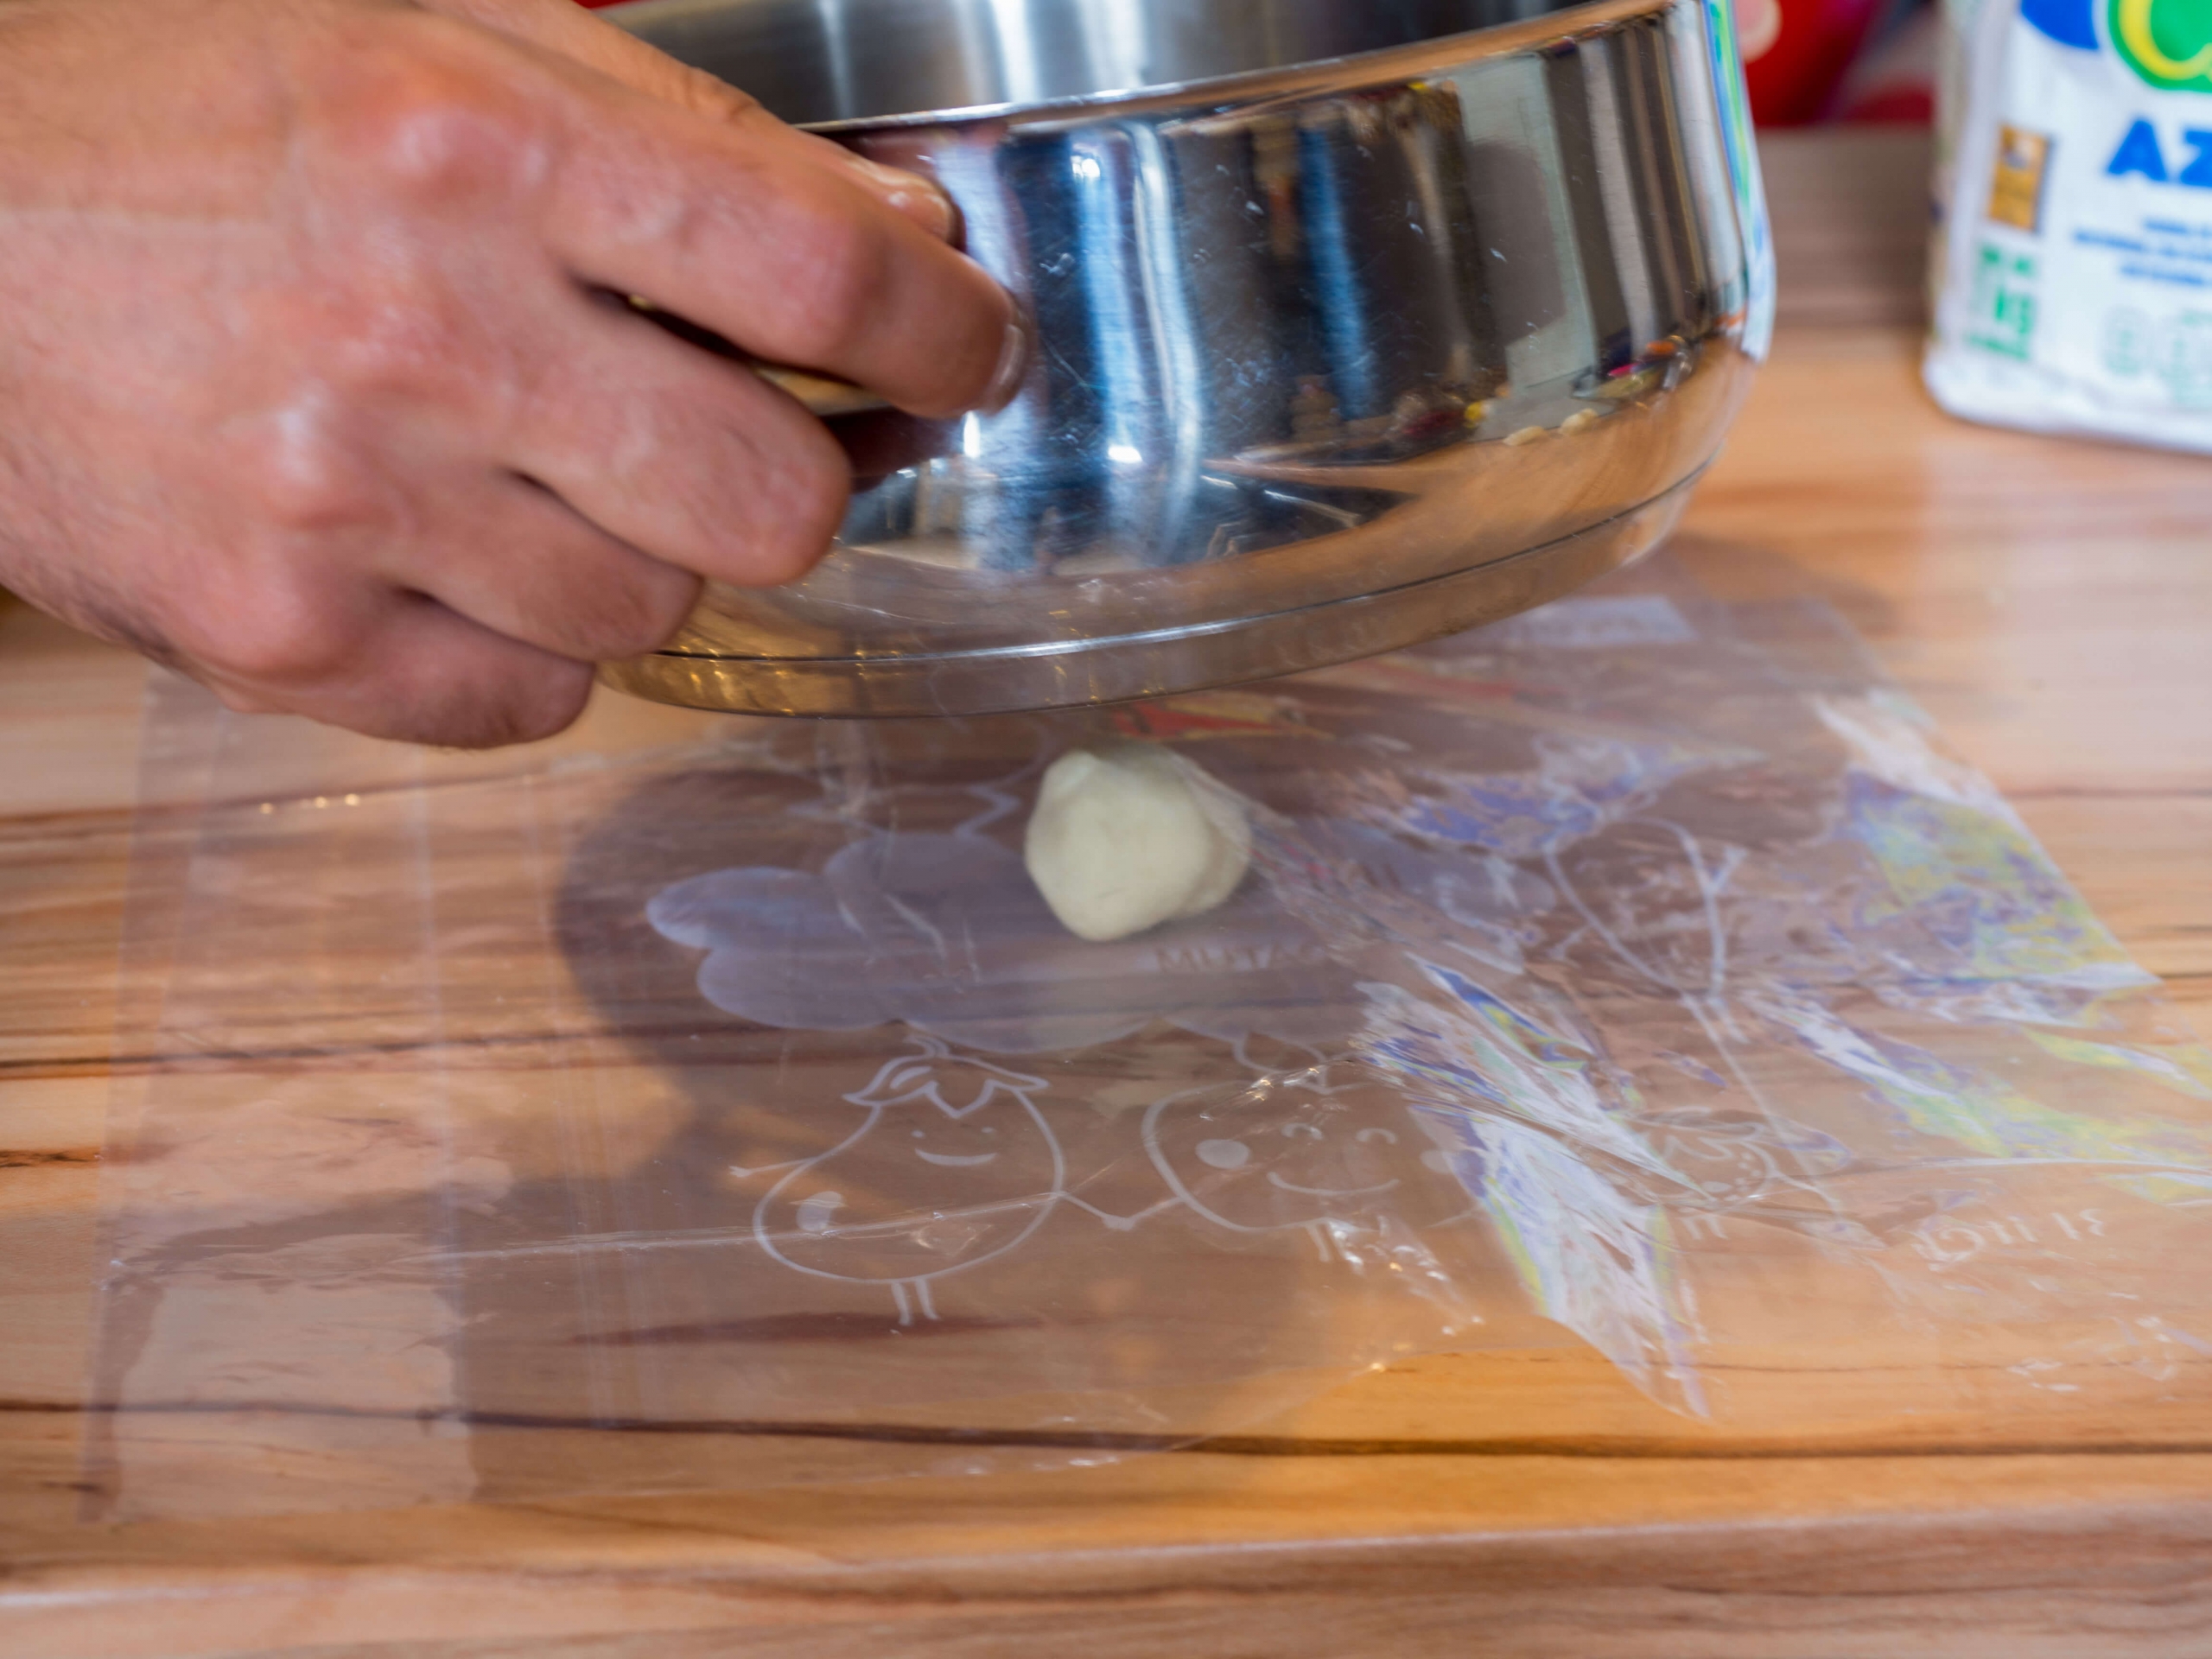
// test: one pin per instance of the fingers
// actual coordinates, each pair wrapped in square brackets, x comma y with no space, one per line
[564,27]
[546,479]
[794,263]
[464,608]
[435,677]
[692,459]
[515,558]
[732,225]
[407,668]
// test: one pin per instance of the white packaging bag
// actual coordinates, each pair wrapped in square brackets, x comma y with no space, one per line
[2072,259]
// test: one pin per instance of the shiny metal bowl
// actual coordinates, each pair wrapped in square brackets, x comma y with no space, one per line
[1358,323]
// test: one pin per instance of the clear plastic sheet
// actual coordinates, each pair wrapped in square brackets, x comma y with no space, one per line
[701,1102]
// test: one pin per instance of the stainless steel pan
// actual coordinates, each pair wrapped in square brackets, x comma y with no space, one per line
[1358,323]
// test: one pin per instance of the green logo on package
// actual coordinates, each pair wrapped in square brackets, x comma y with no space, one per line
[2002,319]
[2168,43]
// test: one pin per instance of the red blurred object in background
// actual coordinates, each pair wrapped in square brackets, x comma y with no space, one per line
[1796,53]
[1893,83]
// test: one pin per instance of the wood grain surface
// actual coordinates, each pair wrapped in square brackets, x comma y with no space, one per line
[2050,603]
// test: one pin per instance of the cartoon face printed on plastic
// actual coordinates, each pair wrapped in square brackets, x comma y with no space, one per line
[1739,1157]
[1289,1152]
[952,1165]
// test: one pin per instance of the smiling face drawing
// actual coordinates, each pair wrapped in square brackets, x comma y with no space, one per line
[1233,1153]
[952,1165]
[1288,1152]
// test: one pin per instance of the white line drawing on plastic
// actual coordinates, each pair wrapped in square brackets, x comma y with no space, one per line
[1308,1149]
[1757,1161]
[953,1167]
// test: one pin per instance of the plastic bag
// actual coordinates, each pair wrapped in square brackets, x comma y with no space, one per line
[702,1102]
[2072,259]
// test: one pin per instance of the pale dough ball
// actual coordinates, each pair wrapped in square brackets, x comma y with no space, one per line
[1125,837]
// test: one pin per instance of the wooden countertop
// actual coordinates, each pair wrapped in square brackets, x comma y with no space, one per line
[2050,603]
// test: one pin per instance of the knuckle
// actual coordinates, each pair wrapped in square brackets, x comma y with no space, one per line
[431,127]
[703,94]
[304,475]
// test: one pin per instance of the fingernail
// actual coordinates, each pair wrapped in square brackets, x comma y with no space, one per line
[918,198]
[1013,368]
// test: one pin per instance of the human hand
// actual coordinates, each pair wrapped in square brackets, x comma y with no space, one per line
[317,381]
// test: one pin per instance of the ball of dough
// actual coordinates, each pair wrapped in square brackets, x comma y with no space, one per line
[1125,837]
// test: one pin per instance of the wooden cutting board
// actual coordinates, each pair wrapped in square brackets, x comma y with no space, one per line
[2050,603]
